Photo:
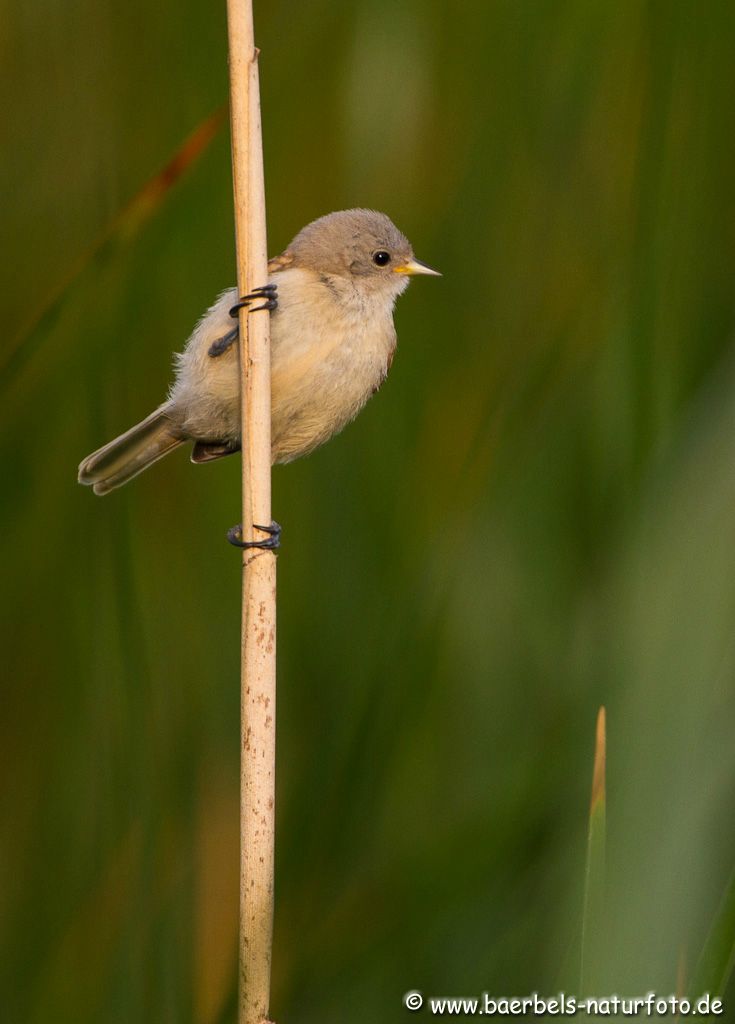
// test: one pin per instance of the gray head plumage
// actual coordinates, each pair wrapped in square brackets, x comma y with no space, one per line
[362,245]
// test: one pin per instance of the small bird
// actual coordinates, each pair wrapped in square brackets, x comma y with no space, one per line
[332,344]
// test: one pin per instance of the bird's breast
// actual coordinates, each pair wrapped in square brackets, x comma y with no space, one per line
[328,358]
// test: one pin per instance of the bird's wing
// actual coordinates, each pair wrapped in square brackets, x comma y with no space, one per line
[280,262]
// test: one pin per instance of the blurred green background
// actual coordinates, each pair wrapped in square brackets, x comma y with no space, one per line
[534,517]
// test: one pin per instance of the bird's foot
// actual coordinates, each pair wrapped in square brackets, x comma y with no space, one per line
[269,292]
[271,542]
[222,344]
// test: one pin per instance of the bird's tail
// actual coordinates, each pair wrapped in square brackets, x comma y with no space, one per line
[135,450]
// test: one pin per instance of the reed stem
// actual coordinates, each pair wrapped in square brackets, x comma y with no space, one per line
[258,643]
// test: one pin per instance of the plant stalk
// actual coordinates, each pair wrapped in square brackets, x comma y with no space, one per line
[258,643]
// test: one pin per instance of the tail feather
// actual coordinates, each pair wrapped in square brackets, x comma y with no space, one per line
[135,450]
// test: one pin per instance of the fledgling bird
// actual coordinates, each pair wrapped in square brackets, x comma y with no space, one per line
[332,344]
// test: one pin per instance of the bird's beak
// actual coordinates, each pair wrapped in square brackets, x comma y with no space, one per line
[415,267]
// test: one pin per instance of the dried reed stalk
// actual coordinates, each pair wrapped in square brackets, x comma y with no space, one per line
[258,664]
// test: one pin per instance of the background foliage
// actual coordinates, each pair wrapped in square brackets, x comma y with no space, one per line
[534,517]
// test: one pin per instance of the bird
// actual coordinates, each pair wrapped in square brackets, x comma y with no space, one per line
[331,294]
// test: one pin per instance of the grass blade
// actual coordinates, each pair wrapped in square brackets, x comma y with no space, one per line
[594,887]
[123,226]
[718,956]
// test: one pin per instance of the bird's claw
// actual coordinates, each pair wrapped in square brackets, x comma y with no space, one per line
[222,344]
[269,292]
[270,543]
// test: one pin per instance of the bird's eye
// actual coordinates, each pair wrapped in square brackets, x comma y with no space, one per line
[381,257]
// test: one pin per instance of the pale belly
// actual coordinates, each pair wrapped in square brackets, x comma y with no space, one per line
[325,366]
[313,401]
